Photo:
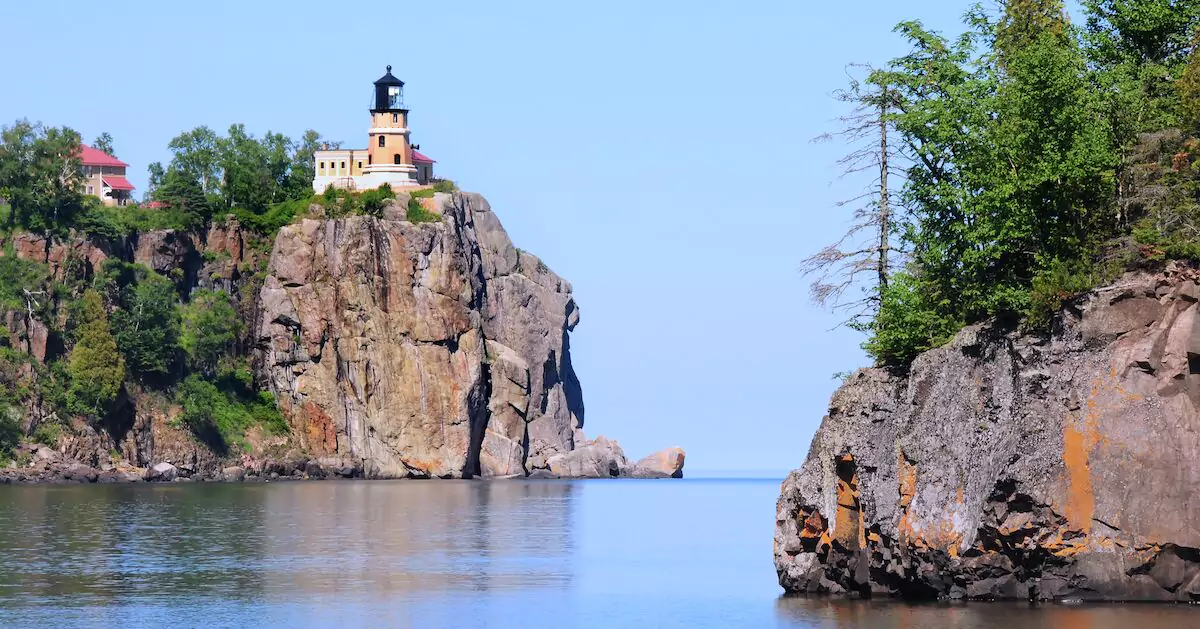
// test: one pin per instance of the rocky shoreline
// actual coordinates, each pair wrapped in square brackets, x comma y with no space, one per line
[601,458]
[1014,465]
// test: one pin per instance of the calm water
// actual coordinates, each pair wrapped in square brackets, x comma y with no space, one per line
[691,553]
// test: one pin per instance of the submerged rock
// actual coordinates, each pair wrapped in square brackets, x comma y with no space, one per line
[1014,466]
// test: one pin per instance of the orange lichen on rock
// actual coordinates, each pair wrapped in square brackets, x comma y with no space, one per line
[1081,501]
[848,528]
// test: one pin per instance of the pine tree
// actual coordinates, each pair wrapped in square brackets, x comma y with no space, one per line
[95,366]
[1026,21]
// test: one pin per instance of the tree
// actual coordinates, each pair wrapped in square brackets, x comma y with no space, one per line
[303,168]
[1142,31]
[866,248]
[104,143]
[197,153]
[95,366]
[1027,21]
[181,190]
[41,176]
[146,324]
[156,172]
[210,329]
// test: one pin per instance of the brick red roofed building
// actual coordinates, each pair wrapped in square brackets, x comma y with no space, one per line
[104,176]
[424,167]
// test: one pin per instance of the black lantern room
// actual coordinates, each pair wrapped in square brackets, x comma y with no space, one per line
[389,94]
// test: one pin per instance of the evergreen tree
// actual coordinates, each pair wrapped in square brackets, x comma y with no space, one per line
[1026,22]
[95,366]
[104,143]
[210,329]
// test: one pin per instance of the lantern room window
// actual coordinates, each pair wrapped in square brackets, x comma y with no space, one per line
[395,97]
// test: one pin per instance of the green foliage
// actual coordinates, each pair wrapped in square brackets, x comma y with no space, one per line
[423,193]
[276,216]
[1061,281]
[416,213]
[122,220]
[220,412]
[373,201]
[41,176]
[913,317]
[444,185]
[22,284]
[146,322]
[210,329]
[95,366]
[48,433]
[104,144]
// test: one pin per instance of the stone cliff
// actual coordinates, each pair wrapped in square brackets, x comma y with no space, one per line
[1009,465]
[433,349]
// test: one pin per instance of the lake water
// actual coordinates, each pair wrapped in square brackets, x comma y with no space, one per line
[611,553]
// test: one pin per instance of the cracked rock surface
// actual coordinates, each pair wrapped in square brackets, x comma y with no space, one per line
[1013,465]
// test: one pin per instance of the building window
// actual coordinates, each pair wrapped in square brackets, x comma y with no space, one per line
[397,159]
[395,118]
[343,165]
[322,168]
[360,165]
[90,190]
[381,138]
[368,159]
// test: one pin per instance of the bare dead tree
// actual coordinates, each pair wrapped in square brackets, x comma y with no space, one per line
[850,274]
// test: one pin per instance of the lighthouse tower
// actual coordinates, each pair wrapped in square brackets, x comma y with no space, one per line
[389,155]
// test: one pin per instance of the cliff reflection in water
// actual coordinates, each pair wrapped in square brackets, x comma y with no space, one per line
[88,545]
[831,613]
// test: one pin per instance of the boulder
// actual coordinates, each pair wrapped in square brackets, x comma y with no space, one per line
[666,463]
[233,474]
[164,472]
[599,458]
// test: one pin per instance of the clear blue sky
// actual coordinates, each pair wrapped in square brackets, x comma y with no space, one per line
[655,154]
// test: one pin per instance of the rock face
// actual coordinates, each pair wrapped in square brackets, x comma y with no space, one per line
[421,350]
[1014,466]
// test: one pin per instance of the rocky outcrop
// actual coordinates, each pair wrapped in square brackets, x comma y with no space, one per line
[666,463]
[421,350]
[1006,465]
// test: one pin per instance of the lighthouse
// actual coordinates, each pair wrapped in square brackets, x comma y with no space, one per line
[389,157]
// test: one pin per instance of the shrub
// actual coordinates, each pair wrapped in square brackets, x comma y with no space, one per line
[373,201]
[423,193]
[444,185]
[48,434]
[220,414]
[1061,281]
[418,214]
[911,320]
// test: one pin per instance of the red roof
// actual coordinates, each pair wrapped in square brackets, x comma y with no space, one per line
[96,157]
[117,183]
[418,157]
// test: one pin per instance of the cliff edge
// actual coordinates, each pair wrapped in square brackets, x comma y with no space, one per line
[1015,466]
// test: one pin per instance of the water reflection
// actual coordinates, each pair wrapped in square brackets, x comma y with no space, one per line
[827,613]
[188,546]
